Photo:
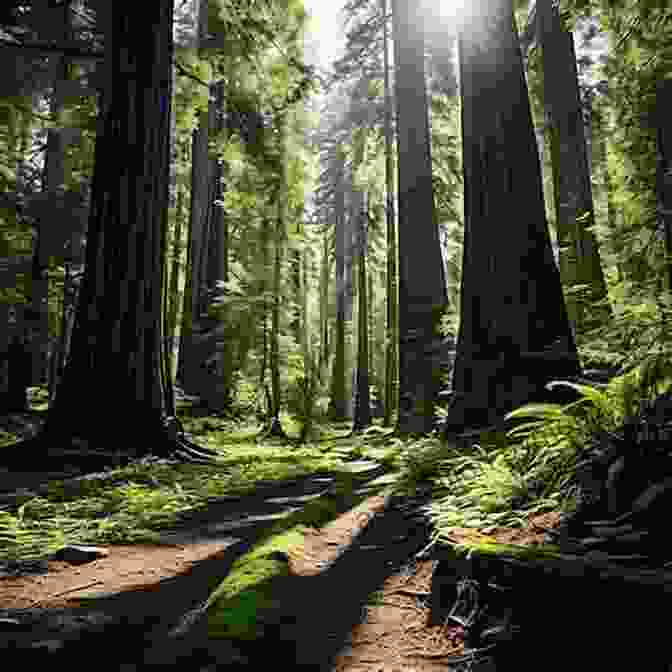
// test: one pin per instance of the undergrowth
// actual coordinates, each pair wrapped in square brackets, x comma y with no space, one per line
[132,504]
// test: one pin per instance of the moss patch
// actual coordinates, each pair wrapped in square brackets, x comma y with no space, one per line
[234,607]
[241,604]
[493,549]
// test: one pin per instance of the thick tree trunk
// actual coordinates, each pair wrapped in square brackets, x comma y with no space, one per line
[392,335]
[117,338]
[579,256]
[422,285]
[514,332]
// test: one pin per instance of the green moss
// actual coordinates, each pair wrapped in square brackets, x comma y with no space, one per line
[518,552]
[234,608]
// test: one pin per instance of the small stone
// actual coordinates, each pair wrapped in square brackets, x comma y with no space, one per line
[80,555]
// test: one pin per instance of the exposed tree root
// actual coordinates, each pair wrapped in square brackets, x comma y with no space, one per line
[48,453]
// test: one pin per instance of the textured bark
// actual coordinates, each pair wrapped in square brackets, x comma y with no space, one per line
[514,332]
[422,286]
[117,339]
[391,359]
[579,255]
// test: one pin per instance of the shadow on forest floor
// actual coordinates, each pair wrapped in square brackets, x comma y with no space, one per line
[316,617]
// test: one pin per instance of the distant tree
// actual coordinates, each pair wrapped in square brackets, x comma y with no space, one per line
[362,410]
[338,401]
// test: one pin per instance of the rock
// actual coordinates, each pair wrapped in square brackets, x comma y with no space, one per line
[80,555]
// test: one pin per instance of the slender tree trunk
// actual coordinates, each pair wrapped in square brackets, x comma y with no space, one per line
[362,413]
[600,132]
[391,361]
[177,282]
[53,184]
[579,256]
[324,310]
[275,428]
[339,405]
[117,338]
[422,285]
[265,286]
[514,332]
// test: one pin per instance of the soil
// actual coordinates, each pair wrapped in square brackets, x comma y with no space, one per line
[357,598]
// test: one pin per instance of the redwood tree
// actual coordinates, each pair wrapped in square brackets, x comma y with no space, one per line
[422,285]
[116,391]
[514,331]
[579,255]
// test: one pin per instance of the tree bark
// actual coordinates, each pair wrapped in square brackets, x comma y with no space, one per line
[514,331]
[117,337]
[579,256]
[422,285]
[391,360]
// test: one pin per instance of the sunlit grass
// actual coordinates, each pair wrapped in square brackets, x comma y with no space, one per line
[132,504]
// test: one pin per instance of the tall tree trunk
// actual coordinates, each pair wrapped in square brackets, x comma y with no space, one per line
[600,132]
[177,282]
[391,362]
[275,428]
[422,285]
[324,309]
[53,184]
[579,256]
[362,413]
[117,338]
[514,332]
[265,288]
[339,404]
[664,175]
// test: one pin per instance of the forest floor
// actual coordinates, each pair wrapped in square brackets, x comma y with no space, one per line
[356,598]
[379,621]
